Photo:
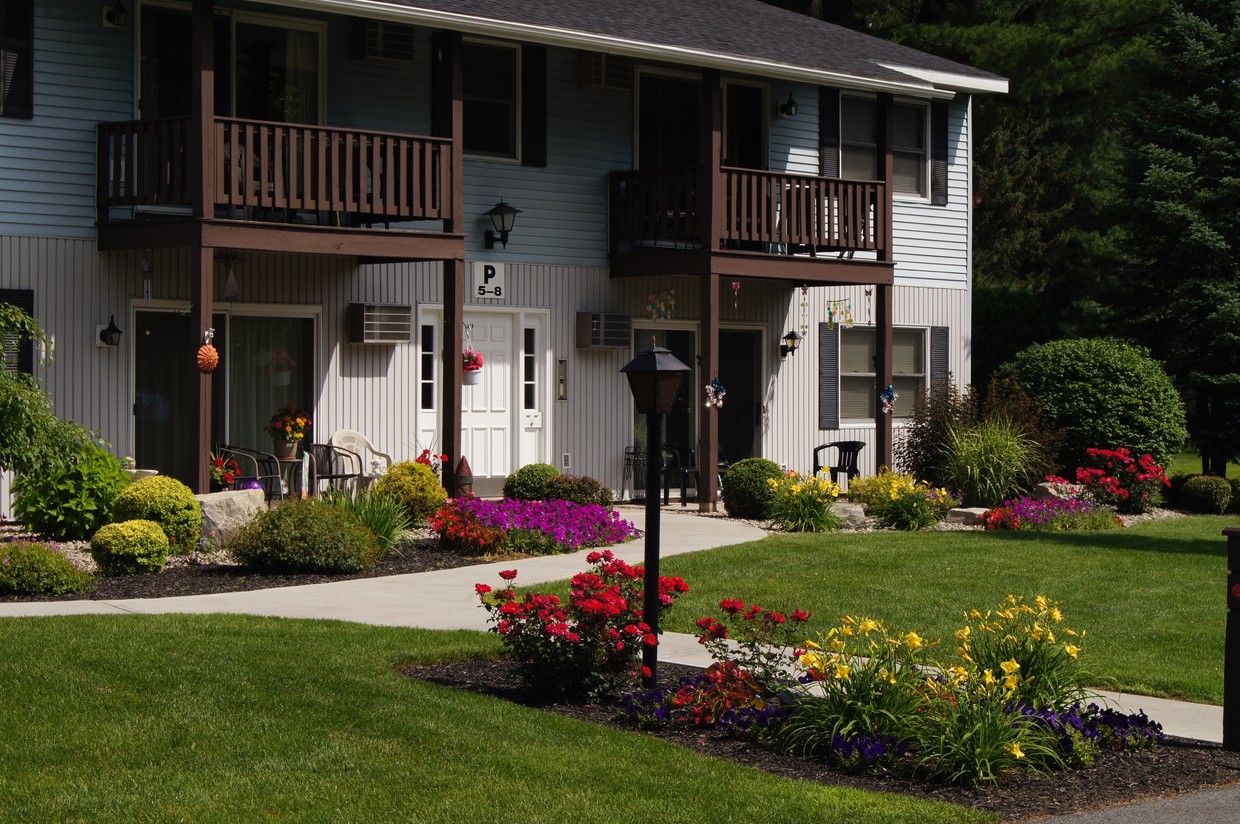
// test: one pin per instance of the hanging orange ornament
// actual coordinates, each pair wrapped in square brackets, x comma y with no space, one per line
[208,357]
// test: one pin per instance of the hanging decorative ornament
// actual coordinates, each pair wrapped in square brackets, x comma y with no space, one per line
[715,393]
[889,397]
[208,358]
[848,315]
[804,310]
[736,291]
[830,316]
[869,306]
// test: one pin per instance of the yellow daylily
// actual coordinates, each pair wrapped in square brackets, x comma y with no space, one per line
[1010,683]
[1071,650]
[1014,749]
[1009,666]
[811,645]
[887,675]
[913,640]
[962,635]
[1042,601]
[842,671]
[867,626]
[1056,615]
[988,678]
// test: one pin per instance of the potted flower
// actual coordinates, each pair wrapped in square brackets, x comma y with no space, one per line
[288,427]
[223,472]
[282,366]
[471,364]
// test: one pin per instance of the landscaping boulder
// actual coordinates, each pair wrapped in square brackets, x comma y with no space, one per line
[1046,490]
[966,515]
[852,515]
[224,512]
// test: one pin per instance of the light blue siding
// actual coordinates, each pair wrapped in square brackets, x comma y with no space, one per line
[82,75]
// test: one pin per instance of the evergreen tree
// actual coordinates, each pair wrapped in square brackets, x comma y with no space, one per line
[1181,293]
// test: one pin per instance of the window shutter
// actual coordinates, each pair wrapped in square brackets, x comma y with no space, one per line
[940,374]
[14,353]
[828,377]
[938,152]
[533,106]
[17,59]
[829,131]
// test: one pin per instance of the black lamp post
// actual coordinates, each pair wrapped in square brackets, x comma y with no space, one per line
[655,377]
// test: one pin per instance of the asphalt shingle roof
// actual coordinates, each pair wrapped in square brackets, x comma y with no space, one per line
[744,29]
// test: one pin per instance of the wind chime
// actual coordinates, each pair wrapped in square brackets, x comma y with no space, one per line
[715,393]
[840,313]
[736,292]
[804,310]
[888,397]
[869,306]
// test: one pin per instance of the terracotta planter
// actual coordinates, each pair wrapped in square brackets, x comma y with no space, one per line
[473,377]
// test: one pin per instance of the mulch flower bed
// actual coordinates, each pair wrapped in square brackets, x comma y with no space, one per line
[1176,767]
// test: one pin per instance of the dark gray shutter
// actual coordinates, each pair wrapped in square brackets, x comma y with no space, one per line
[940,374]
[17,58]
[14,353]
[828,377]
[829,131]
[938,152]
[533,106]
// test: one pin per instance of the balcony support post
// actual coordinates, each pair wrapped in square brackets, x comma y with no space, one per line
[710,197]
[708,441]
[883,298]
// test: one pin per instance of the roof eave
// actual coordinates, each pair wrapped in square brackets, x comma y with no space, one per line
[568,38]
[953,81]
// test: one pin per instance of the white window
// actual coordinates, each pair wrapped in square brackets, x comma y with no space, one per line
[859,144]
[858,376]
[492,104]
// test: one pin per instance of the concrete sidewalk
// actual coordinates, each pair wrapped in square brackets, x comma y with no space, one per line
[445,599]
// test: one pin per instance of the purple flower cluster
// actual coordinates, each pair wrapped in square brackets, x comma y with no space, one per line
[1099,726]
[1046,511]
[862,751]
[657,707]
[573,526]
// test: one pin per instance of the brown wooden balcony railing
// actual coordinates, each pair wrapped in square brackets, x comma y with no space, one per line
[765,211]
[275,170]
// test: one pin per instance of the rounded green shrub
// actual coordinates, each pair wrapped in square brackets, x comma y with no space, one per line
[306,536]
[1206,493]
[1101,392]
[130,548]
[416,486]
[746,493]
[529,483]
[70,502]
[579,489]
[167,502]
[1235,495]
[29,568]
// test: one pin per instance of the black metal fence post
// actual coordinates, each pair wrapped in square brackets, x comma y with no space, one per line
[1231,649]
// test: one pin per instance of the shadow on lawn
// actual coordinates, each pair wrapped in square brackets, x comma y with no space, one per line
[1141,538]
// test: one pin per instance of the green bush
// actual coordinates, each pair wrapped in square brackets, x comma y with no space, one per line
[1235,495]
[579,489]
[1171,494]
[937,412]
[306,536]
[990,461]
[1206,493]
[70,502]
[529,483]
[380,513]
[130,548]
[1101,391]
[415,486]
[167,502]
[746,493]
[29,568]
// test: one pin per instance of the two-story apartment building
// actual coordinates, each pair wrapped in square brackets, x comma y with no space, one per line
[321,182]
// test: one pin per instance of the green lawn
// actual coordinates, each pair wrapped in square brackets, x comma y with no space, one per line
[229,718]
[1189,463]
[1151,597]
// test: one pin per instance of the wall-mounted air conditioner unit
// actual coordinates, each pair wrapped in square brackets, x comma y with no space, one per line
[387,324]
[596,330]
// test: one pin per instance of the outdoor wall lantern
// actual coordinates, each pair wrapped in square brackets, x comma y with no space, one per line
[118,15]
[502,217]
[789,108]
[655,376]
[789,345]
[108,336]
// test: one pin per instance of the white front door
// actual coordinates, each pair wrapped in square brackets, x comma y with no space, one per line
[486,423]
[503,418]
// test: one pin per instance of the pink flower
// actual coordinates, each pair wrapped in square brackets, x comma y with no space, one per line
[508,574]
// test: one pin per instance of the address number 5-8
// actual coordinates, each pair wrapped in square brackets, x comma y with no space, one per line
[497,291]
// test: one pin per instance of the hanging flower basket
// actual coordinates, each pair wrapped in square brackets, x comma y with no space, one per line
[471,364]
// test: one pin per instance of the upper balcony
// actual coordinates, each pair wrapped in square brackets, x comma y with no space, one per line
[760,224]
[278,187]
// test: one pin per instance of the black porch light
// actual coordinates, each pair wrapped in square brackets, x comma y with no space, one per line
[118,15]
[788,109]
[502,215]
[655,376]
[109,335]
[791,342]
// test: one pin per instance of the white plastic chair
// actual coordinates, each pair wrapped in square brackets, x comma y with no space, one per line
[374,462]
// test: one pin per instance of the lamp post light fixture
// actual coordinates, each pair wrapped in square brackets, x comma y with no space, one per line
[108,336]
[502,215]
[117,16]
[790,343]
[788,109]
[655,377]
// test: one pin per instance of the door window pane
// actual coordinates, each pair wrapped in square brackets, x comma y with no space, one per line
[272,360]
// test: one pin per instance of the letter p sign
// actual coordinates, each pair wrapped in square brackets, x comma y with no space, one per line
[489,280]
